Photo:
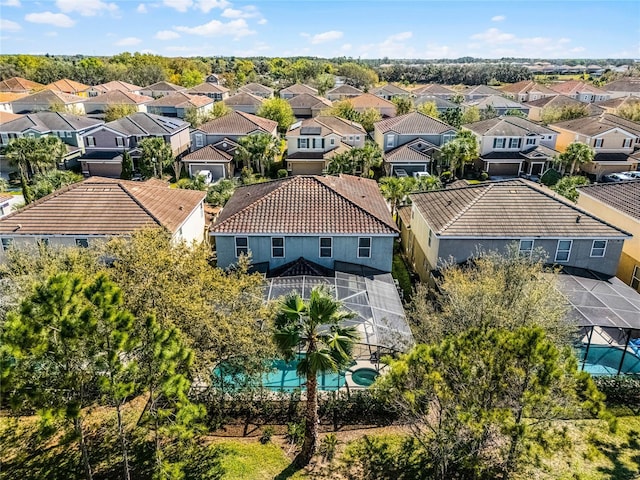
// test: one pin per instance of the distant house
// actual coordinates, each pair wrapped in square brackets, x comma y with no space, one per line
[441,103]
[7,98]
[96,90]
[48,100]
[581,91]
[527,91]
[215,92]
[244,102]
[324,220]
[232,126]
[451,225]
[619,205]
[389,91]
[178,104]
[99,208]
[368,101]
[160,89]
[312,144]
[305,105]
[479,92]
[7,117]
[5,204]
[622,87]
[434,90]
[499,104]
[19,85]
[70,87]
[217,158]
[614,140]
[297,89]
[343,92]
[538,109]
[116,98]
[215,79]
[257,89]
[612,105]
[511,145]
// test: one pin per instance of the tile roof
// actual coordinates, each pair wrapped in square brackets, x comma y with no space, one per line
[67,86]
[210,153]
[623,196]
[118,97]
[512,209]
[182,100]
[404,213]
[7,97]
[439,101]
[496,101]
[367,100]
[50,121]
[573,87]
[299,88]
[164,87]
[306,100]
[595,125]
[390,89]
[8,117]
[414,122]
[206,87]
[142,123]
[99,206]
[433,89]
[18,84]
[307,205]
[49,97]
[480,90]
[238,123]
[345,90]
[243,98]
[627,84]
[340,125]
[117,85]
[528,86]
[416,151]
[619,102]
[509,125]
[256,87]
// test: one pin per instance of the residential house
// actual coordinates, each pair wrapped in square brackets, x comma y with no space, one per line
[498,104]
[7,98]
[619,205]
[305,105]
[325,220]
[257,89]
[343,92]
[389,91]
[511,145]
[451,225]
[581,91]
[98,106]
[527,91]
[232,126]
[612,105]
[442,104]
[7,117]
[244,102]
[105,144]
[216,158]
[96,90]
[623,87]
[178,104]
[479,92]
[543,107]
[5,204]
[215,92]
[368,101]
[409,158]
[434,90]
[100,208]
[614,140]
[215,79]
[19,85]
[161,89]
[70,87]
[49,100]
[297,89]
[312,144]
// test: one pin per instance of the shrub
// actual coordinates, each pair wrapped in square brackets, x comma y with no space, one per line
[295,433]
[282,173]
[328,446]
[267,433]
[445,176]
[620,390]
[484,176]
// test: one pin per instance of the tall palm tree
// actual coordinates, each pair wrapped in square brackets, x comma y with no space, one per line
[19,152]
[49,153]
[395,190]
[315,327]
[258,151]
[156,156]
[575,156]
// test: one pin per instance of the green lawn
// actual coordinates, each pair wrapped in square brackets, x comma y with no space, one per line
[400,272]
[256,461]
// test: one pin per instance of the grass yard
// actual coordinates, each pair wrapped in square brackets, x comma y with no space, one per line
[256,461]
[400,272]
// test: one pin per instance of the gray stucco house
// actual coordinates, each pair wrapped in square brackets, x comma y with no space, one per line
[325,220]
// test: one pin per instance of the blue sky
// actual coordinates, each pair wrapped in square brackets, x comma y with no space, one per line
[324,28]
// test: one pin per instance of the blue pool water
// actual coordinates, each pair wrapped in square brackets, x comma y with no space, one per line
[605,360]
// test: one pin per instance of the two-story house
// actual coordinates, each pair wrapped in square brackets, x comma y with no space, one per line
[297,89]
[160,89]
[306,105]
[389,91]
[257,89]
[178,104]
[325,220]
[623,87]
[217,93]
[70,87]
[511,145]
[231,126]
[451,225]
[217,158]
[613,138]
[105,144]
[544,108]
[49,100]
[343,92]
[99,105]
[478,92]
[367,101]
[498,104]
[410,141]
[244,102]
[527,91]
[96,90]
[435,90]
[581,91]
[312,143]
[441,103]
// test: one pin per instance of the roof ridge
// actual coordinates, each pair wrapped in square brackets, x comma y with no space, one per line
[60,191]
[466,208]
[123,186]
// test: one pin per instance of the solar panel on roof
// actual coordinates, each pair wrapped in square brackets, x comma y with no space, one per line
[311,130]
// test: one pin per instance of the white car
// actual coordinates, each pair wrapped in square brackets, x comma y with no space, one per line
[421,174]
[206,174]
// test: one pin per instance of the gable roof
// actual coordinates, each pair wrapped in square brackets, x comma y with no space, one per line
[439,101]
[306,100]
[309,205]
[528,86]
[164,87]
[207,87]
[573,87]
[480,90]
[413,123]
[181,100]
[243,98]
[509,125]
[238,123]
[8,97]
[299,88]
[67,86]
[50,121]
[19,84]
[418,150]
[511,209]
[8,117]
[256,87]
[49,97]
[327,124]
[627,84]
[367,100]
[208,152]
[142,123]
[623,196]
[390,89]
[345,90]
[433,89]
[119,97]
[619,102]
[595,125]
[496,101]
[116,85]
[100,206]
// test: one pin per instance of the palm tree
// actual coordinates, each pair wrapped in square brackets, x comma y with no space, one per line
[395,190]
[156,155]
[315,327]
[49,153]
[576,155]
[461,150]
[258,151]
[18,152]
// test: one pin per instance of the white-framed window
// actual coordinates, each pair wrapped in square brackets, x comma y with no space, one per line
[199,140]
[82,242]
[326,247]
[4,138]
[563,252]
[447,138]
[626,143]
[391,140]
[91,141]
[332,141]
[635,278]
[364,247]
[498,142]
[119,142]
[302,143]
[514,143]
[526,247]
[531,140]
[242,246]
[6,243]
[277,247]
[597,143]
[598,248]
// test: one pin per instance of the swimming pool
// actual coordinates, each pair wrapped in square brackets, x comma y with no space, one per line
[605,360]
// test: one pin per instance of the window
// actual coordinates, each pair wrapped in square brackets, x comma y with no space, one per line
[332,141]
[82,242]
[91,142]
[242,246]
[514,143]
[199,140]
[526,247]
[598,248]
[277,247]
[6,243]
[635,278]
[119,142]
[597,143]
[364,247]
[531,141]
[326,247]
[429,241]
[391,140]
[4,138]
[447,138]
[498,142]
[563,251]
[626,143]
[357,138]
[302,143]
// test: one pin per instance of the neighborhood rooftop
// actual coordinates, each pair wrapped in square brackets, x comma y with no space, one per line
[623,196]
[414,122]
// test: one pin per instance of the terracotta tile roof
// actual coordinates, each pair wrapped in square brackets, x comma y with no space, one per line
[414,122]
[19,84]
[8,117]
[528,86]
[623,196]
[67,86]
[182,100]
[164,86]
[508,125]
[305,100]
[404,213]
[628,84]
[299,88]
[243,98]
[210,153]
[49,97]
[99,206]
[205,88]
[119,97]
[594,125]
[6,97]
[345,90]
[512,209]
[116,85]
[308,205]
[367,100]
[572,87]
[238,123]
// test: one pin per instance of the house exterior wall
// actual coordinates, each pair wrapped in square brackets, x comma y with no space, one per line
[26,241]
[292,143]
[345,249]
[180,141]
[192,229]
[105,140]
[612,141]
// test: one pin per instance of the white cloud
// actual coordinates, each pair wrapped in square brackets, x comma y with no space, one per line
[262,21]
[9,26]
[166,35]
[393,46]
[207,5]
[259,48]
[346,47]
[326,37]
[179,5]
[142,8]
[494,43]
[86,8]
[11,3]
[399,37]
[51,34]
[215,28]
[49,18]
[128,42]
[493,36]
[498,18]
[246,12]
[435,51]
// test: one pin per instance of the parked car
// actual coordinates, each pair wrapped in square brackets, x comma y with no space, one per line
[635,175]
[617,177]
[421,174]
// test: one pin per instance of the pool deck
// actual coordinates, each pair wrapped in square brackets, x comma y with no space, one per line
[368,364]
